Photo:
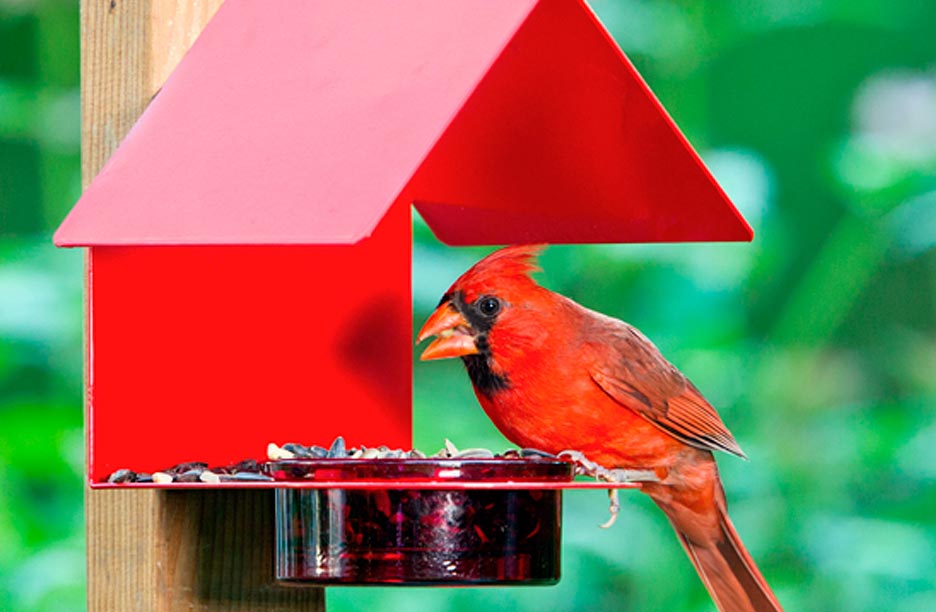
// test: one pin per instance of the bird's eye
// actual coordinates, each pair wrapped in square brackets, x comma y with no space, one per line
[489,305]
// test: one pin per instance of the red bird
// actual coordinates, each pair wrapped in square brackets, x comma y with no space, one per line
[554,375]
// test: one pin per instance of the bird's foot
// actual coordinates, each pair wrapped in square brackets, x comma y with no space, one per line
[587,467]
[584,466]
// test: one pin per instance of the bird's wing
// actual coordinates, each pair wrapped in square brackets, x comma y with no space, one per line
[638,377]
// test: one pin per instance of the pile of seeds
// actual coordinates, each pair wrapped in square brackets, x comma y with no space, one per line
[251,470]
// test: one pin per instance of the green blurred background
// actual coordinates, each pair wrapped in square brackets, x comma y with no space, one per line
[817,342]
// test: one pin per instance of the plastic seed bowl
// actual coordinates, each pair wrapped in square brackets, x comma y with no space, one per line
[419,521]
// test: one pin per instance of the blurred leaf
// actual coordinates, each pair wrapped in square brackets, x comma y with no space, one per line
[913,225]
[834,281]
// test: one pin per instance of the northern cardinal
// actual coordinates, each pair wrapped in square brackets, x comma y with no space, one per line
[554,375]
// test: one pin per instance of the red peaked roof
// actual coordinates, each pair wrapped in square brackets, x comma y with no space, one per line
[303,121]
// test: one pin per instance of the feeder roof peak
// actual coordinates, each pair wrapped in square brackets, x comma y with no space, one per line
[502,122]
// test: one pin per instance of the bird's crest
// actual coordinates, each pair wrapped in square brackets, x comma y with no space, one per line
[512,261]
[509,264]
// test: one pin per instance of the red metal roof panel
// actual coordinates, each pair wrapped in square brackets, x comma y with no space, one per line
[293,122]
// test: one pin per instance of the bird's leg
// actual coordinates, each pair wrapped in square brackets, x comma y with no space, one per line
[621,475]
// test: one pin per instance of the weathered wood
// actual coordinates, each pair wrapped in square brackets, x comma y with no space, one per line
[175,24]
[114,76]
[158,550]
[128,49]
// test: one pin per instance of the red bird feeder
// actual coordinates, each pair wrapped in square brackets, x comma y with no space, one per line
[250,240]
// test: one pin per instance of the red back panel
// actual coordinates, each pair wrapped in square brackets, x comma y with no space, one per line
[209,353]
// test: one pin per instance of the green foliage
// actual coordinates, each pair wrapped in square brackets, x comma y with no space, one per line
[817,342]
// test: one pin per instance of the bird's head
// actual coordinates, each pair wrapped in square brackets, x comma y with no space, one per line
[488,304]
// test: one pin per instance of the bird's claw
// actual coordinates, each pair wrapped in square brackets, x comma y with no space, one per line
[614,509]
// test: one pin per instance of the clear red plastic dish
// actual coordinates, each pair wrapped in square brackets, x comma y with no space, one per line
[414,530]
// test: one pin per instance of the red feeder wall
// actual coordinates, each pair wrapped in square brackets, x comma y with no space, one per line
[210,352]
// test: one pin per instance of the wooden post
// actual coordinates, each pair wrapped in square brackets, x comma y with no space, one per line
[159,550]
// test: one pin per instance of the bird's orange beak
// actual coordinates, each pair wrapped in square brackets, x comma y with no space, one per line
[453,334]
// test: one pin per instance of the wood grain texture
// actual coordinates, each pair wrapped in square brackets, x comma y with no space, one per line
[175,24]
[128,49]
[114,76]
[164,550]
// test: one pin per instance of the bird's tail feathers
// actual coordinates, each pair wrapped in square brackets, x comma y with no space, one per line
[728,571]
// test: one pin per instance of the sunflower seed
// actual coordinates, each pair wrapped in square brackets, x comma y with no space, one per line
[209,477]
[185,467]
[535,452]
[474,453]
[338,450]
[275,453]
[247,465]
[370,453]
[189,476]
[122,475]
[297,450]
[247,477]
[162,478]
